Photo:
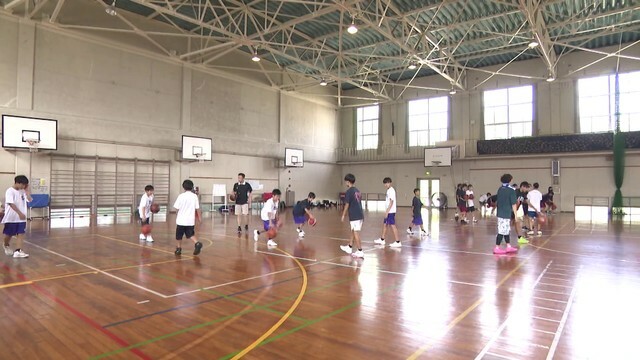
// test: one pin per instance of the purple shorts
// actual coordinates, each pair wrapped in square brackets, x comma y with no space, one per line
[390,219]
[417,220]
[266,225]
[299,219]
[13,229]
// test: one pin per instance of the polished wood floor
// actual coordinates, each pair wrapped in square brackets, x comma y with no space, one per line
[98,293]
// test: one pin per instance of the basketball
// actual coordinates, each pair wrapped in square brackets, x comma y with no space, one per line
[312,222]
[146,229]
[155,208]
[553,206]
[542,219]
[272,233]
[471,197]
[232,197]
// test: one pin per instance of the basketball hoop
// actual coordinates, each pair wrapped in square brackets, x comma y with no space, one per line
[436,163]
[33,144]
[200,157]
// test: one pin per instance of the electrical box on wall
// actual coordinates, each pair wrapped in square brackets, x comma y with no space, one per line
[555,168]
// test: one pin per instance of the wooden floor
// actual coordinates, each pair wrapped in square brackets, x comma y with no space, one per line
[97,292]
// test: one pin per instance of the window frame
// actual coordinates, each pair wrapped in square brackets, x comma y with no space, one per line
[374,128]
[427,117]
[506,110]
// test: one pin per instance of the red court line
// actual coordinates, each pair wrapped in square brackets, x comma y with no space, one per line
[80,315]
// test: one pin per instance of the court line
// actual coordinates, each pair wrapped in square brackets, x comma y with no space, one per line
[583,255]
[99,271]
[294,306]
[473,306]
[502,326]
[563,321]
[80,315]
[138,245]
[282,255]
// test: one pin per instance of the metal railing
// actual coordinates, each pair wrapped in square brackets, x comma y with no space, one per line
[385,152]
[600,201]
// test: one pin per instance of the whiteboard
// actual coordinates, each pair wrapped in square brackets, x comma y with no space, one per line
[219,190]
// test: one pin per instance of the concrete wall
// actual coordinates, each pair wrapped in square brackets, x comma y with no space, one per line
[555,112]
[113,102]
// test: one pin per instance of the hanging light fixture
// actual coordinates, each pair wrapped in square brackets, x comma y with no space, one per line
[533,44]
[452,91]
[255,56]
[412,66]
[111,9]
[323,82]
[551,78]
[352,29]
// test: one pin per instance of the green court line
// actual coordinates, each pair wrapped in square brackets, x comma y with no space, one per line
[215,321]
[309,323]
[223,295]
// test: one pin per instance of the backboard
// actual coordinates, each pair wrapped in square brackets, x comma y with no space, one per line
[437,156]
[293,157]
[16,130]
[196,148]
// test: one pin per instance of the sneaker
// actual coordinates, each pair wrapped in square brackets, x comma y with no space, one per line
[346,248]
[475,221]
[149,238]
[239,229]
[301,234]
[529,232]
[525,228]
[456,217]
[464,222]
[395,244]
[246,228]
[539,233]
[499,251]
[424,234]
[178,251]
[409,232]
[378,241]
[298,230]
[522,240]
[20,254]
[142,237]
[358,254]
[511,249]
[271,243]
[256,235]
[198,248]
[8,251]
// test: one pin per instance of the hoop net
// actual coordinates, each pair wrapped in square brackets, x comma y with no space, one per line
[436,163]
[33,145]
[200,158]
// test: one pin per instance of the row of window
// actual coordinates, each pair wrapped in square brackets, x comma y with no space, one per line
[509,112]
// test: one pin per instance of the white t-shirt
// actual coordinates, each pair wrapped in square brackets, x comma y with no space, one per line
[469,199]
[391,195]
[483,198]
[186,204]
[269,207]
[144,209]
[17,198]
[534,198]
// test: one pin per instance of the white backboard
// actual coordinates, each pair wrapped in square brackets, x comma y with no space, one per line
[293,157]
[437,157]
[16,130]
[192,145]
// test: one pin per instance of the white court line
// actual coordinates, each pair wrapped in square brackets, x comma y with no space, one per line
[552,300]
[556,285]
[558,274]
[283,255]
[551,292]
[553,278]
[543,331]
[563,321]
[100,271]
[567,266]
[501,356]
[545,319]
[496,335]
[143,302]
[545,308]
[523,342]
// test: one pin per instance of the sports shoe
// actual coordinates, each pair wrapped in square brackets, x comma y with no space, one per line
[246,228]
[456,217]
[301,234]
[298,230]
[198,248]
[346,248]
[530,232]
[409,232]
[395,244]
[378,241]
[358,254]
[256,235]
[511,249]
[20,254]
[178,251]
[8,251]
[522,240]
[463,221]
[539,233]
[239,229]
[271,243]
[475,220]
[424,234]
[149,238]
[499,251]
[142,237]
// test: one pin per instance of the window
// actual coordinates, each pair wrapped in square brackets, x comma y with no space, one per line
[428,121]
[597,103]
[367,124]
[508,112]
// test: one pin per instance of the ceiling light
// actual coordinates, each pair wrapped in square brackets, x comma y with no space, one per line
[323,82]
[412,66]
[533,44]
[255,56]
[551,78]
[111,9]
[452,91]
[352,29]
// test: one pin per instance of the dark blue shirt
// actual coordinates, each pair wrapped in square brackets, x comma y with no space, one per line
[298,210]
[417,206]
[354,199]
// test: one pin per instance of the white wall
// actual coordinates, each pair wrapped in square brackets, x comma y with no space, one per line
[113,102]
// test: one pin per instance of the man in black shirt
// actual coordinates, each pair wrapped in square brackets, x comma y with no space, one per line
[242,192]
[300,210]
[353,207]
[416,208]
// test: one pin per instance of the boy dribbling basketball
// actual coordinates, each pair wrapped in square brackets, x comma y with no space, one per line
[299,211]
[269,216]
[188,208]
[144,210]
[15,217]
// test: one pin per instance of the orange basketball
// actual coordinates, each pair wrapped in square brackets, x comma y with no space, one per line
[542,219]
[272,233]
[155,208]
[312,221]
[146,229]
[232,197]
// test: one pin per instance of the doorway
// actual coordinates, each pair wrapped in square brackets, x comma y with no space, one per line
[430,192]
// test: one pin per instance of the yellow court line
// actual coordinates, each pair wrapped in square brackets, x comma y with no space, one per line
[137,245]
[303,290]
[473,306]
[16,284]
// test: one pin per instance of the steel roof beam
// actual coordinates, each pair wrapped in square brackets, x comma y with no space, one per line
[532,9]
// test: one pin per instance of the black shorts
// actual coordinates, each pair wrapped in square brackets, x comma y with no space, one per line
[525,208]
[145,221]
[186,231]
[471,209]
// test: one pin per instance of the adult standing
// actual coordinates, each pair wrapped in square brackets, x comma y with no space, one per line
[242,191]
